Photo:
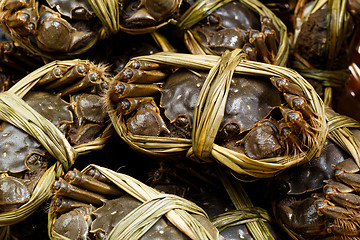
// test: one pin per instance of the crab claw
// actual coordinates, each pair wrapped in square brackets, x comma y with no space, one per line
[147,120]
[262,141]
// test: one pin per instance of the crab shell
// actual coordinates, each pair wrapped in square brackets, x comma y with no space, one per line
[79,9]
[19,151]
[13,192]
[310,177]
[222,29]
[250,99]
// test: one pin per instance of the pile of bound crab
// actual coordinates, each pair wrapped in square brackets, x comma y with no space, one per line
[166,106]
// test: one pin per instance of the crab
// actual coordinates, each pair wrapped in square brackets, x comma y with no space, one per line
[147,13]
[81,120]
[234,25]
[315,45]
[320,199]
[15,63]
[89,206]
[157,100]
[52,27]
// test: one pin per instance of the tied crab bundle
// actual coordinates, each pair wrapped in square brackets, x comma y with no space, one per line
[223,109]
[98,203]
[42,135]
[211,27]
[325,37]
[51,29]
[325,203]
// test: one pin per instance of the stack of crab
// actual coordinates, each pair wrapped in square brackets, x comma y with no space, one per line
[220,119]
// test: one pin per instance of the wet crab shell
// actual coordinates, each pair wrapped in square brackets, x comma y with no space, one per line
[309,177]
[78,9]
[13,193]
[250,99]
[21,151]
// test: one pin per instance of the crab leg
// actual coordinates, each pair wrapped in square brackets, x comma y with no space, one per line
[78,71]
[250,51]
[289,138]
[271,36]
[92,78]
[344,199]
[324,207]
[299,103]
[343,228]
[144,65]
[128,105]
[63,205]
[283,85]
[54,74]
[121,89]
[79,179]
[257,39]
[62,188]
[130,75]
[94,173]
